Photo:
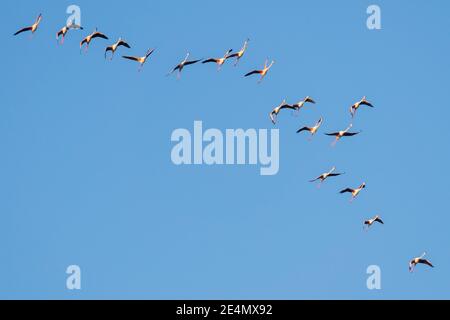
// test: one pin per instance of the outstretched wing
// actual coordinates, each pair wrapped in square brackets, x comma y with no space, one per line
[310,100]
[149,53]
[99,35]
[351,134]
[335,174]
[367,103]
[210,60]
[252,73]
[192,62]
[175,69]
[124,44]
[272,117]
[303,129]
[23,30]
[108,49]
[233,55]
[428,263]
[348,190]
[131,58]
[319,123]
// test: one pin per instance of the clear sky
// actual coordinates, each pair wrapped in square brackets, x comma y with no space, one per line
[86,176]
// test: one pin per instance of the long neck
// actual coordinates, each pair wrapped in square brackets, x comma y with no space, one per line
[348,129]
[245,46]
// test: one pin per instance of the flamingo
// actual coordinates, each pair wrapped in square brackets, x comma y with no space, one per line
[357,105]
[262,72]
[115,46]
[219,61]
[31,28]
[369,223]
[240,54]
[283,105]
[420,260]
[89,38]
[141,60]
[312,130]
[182,64]
[342,134]
[326,175]
[354,192]
[298,106]
[62,33]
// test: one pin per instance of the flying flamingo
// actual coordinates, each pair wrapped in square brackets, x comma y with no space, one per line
[183,64]
[31,28]
[369,223]
[274,114]
[115,46]
[240,54]
[312,130]
[354,192]
[62,33]
[89,38]
[299,105]
[262,72]
[339,135]
[326,175]
[141,60]
[356,106]
[219,61]
[420,260]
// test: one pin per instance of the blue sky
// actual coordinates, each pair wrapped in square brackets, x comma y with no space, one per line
[86,176]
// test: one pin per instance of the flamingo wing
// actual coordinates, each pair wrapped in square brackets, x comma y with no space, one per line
[335,174]
[427,262]
[210,60]
[23,30]
[99,35]
[351,134]
[124,44]
[367,103]
[192,62]
[252,73]
[303,129]
[131,58]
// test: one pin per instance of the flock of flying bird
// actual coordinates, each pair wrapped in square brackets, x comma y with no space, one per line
[61,34]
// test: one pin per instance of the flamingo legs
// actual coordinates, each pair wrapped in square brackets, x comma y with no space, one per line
[261,79]
[86,49]
[333,144]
